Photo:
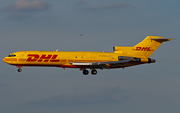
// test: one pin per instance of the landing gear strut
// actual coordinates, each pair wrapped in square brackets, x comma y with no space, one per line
[85,72]
[93,72]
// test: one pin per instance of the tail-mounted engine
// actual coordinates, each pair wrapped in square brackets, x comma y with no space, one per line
[151,60]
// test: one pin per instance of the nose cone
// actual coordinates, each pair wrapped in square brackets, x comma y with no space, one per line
[9,60]
[4,59]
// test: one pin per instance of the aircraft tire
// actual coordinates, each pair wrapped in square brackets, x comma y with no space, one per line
[94,72]
[85,72]
[19,70]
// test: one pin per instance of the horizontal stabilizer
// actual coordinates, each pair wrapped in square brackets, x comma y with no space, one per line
[161,39]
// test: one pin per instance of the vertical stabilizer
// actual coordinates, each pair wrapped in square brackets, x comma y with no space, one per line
[143,49]
[149,45]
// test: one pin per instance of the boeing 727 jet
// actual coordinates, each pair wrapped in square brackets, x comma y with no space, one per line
[121,57]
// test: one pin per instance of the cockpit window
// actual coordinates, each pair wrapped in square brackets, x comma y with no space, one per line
[12,55]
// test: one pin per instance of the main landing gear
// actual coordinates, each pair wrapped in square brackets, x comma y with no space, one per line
[86,72]
[94,72]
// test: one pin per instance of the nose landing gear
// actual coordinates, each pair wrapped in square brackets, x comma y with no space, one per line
[19,68]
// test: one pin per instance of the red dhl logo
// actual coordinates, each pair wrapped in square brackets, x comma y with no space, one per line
[143,49]
[42,58]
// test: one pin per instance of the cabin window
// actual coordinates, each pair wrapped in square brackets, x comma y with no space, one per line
[12,55]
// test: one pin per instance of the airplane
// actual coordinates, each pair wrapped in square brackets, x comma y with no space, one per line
[121,57]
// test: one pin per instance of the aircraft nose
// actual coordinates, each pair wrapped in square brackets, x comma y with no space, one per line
[3,59]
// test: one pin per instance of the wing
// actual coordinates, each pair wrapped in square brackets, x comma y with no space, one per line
[101,65]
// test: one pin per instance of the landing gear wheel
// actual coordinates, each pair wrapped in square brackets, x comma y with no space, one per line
[94,72]
[85,72]
[19,70]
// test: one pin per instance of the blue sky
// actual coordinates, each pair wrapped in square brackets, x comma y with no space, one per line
[55,24]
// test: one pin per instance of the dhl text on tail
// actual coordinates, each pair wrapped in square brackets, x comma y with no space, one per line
[121,57]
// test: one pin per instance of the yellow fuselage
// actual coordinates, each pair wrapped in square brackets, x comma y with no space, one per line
[61,58]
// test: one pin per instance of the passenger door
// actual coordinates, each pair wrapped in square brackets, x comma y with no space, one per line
[23,56]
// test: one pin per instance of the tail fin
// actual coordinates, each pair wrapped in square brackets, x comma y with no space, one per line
[143,49]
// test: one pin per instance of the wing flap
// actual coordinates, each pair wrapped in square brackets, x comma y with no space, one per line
[101,65]
[80,63]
